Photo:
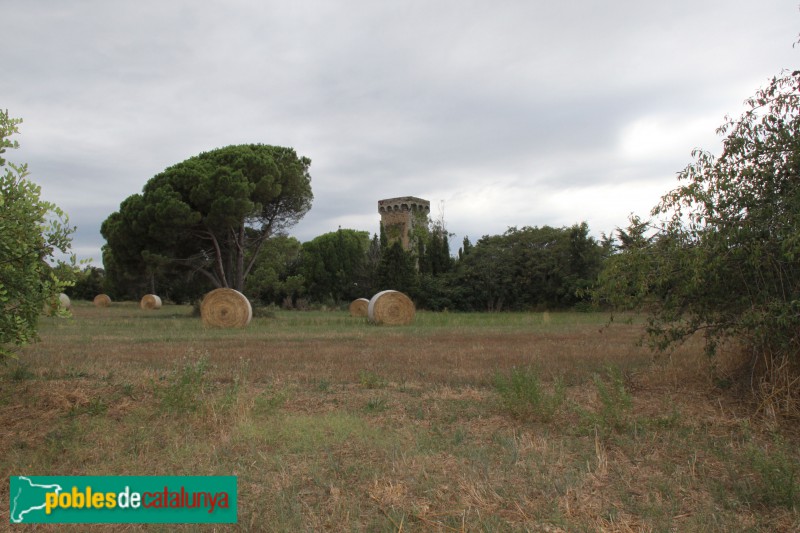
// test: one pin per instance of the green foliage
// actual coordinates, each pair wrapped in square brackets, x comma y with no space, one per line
[438,292]
[433,248]
[31,232]
[89,282]
[373,261]
[624,282]
[274,278]
[396,270]
[530,268]
[523,395]
[335,266]
[210,214]
[723,254]
[466,247]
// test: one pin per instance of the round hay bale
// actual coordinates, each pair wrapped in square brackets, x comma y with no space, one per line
[102,300]
[225,308]
[150,301]
[55,304]
[359,307]
[392,308]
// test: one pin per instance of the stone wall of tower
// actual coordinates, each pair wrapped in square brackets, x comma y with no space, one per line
[398,215]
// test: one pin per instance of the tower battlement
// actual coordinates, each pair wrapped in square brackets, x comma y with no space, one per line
[398,216]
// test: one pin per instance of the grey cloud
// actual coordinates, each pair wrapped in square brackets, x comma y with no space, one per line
[467,102]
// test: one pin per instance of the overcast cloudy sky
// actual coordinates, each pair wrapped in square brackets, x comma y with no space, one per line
[506,113]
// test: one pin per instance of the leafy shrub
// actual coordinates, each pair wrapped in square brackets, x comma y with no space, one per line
[721,256]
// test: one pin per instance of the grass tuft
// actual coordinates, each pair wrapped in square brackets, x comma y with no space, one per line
[371,380]
[183,392]
[21,372]
[376,405]
[616,403]
[270,401]
[777,483]
[524,397]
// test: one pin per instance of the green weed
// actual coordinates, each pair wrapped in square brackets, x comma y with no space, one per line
[777,483]
[324,385]
[182,393]
[268,402]
[460,436]
[128,390]
[93,407]
[231,395]
[522,394]
[616,403]
[21,372]
[371,380]
[376,405]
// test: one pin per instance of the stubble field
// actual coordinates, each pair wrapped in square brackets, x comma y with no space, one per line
[460,422]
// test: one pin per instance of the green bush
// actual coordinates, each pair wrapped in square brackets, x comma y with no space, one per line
[720,255]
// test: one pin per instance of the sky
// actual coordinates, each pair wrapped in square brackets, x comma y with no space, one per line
[503,113]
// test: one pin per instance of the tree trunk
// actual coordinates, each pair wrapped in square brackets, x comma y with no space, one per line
[218,265]
[239,284]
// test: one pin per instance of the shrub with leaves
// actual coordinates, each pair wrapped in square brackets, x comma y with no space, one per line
[722,253]
[31,232]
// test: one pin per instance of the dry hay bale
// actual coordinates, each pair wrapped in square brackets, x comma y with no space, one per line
[56,304]
[226,308]
[392,308]
[102,300]
[359,307]
[150,301]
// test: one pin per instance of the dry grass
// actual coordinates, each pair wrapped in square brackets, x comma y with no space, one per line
[333,424]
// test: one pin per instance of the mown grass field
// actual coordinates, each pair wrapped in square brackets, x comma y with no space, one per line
[460,422]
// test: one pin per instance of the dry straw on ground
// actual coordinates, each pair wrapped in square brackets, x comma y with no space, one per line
[359,307]
[226,308]
[102,300]
[392,308]
[150,302]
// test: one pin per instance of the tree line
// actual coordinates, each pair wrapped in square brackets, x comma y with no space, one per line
[219,219]
[522,269]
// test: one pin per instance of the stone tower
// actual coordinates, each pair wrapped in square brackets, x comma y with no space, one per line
[398,216]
